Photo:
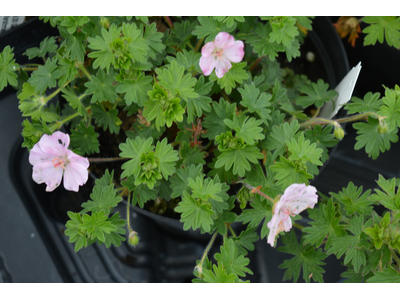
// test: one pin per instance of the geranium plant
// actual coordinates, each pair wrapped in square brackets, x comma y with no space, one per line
[201,115]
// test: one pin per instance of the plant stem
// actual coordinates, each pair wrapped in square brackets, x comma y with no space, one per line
[255,190]
[231,230]
[87,74]
[395,257]
[190,45]
[127,214]
[28,69]
[200,265]
[226,97]
[102,159]
[298,226]
[168,20]
[322,121]
[256,63]
[55,92]
[198,45]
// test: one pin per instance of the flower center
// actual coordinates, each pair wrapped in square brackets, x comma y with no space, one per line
[219,52]
[288,213]
[58,162]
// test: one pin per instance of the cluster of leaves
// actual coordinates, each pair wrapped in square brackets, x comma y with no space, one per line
[190,138]
[95,222]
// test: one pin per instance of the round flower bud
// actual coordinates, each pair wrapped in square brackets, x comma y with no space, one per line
[338,133]
[382,127]
[133,239]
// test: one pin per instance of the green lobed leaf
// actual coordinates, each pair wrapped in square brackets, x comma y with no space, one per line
[85,138]
[388,275]
[103,199]
[371,102]
[302,150]
[324,225]
[45,76]
[195,214]
[391,107]
[307,258]
[106,119]
[137,44]
[102,46]
[101,87]
[261,42]
[256,102]
[373,141]
[248,129]
[209,28]
[214,121]
[233,262]
[280,135]
[48,45]
[240,159]
[180,180]
[382,27]
[235,75]
[317,94]
[173,79]
[353,201]
[388,196]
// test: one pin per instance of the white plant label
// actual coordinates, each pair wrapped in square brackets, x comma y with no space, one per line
[7,22]
[345,90]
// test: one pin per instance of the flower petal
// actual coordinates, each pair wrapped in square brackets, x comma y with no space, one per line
[298,197]
[46,173]
[76,173]
[235,52]
[207,64]
[222,66]
[223,40]
[51,145]
[207,49]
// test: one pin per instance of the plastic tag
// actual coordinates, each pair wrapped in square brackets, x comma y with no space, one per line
[7,22]
[345,89]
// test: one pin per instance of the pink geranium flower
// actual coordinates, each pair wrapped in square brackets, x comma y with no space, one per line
[220,53]
[295,199]
[51,159]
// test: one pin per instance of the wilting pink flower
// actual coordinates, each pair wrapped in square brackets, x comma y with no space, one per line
[51,159]
[220,53]
[295,199]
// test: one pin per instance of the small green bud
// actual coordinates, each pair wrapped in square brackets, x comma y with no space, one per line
[338,133]
[105,22]
[133,239]
[382,127]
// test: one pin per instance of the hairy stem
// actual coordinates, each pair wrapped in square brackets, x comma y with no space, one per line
[107,159]
[168,20]
[256,190]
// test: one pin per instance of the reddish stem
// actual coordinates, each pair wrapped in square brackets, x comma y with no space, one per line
[168,20]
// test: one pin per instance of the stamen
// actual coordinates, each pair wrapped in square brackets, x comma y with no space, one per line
[58,162]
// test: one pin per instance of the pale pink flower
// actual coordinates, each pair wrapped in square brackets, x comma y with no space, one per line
[295,199]
[220,53]
[51,159]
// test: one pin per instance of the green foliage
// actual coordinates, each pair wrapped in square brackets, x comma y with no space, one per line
[174,81]
[106,119]
[373,141]
[209,28]
[135,89]
[145,164]
[380,28]
[391,107]
[45,76]
[386,276]
[353,246]
[354,202]
[280,135]
[306,258]
[255,102]
[101,87]
[235,75]
[48,45]
[85,138]
[325,225]
[388,196]
[317,94]
[371,102]
[214,122]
